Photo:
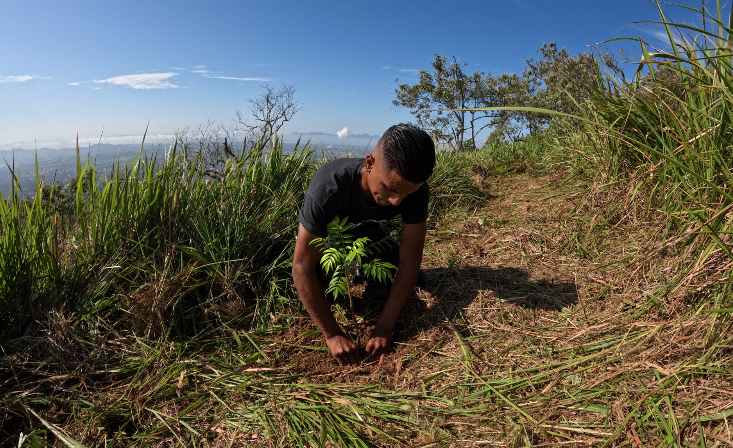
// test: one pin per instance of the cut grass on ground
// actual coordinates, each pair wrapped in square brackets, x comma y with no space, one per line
[528,333]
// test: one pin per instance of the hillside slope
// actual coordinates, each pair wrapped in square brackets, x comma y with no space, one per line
[527,334]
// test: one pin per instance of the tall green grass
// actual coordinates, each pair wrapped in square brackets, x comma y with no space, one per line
[535,151]
[671,125]
[149,280]
[451,184]
[157,238]
[166,244]
[669,129]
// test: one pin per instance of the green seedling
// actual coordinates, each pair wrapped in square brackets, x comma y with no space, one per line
[341,251]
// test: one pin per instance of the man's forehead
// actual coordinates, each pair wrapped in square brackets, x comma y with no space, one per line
[398,183]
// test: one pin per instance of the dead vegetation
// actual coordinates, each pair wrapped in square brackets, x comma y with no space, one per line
[541,325]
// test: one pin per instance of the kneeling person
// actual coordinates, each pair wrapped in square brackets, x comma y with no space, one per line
[389,182]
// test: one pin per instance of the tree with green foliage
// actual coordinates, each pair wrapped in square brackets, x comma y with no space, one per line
[441,100]
[555,81]
[437,97]
[562,82]
[508,125]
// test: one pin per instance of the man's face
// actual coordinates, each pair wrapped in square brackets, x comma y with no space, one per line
[386,186]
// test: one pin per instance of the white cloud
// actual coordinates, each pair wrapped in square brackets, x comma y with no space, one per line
[343,132]
[132,139]
[142,81]
[275,64]
[206,73]
[409,71]
[239,79]
[73,83]
[162,140]
[20,78]
[663,37]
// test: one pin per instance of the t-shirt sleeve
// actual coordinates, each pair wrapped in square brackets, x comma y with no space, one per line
[315,213]
[415,206]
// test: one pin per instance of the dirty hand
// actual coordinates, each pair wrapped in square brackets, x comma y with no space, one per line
[379,343]
[343,350]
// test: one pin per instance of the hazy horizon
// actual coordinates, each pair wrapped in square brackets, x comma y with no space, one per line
[136,140]
[59,164]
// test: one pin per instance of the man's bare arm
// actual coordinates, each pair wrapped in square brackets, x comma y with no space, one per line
[311,293]
[411,249]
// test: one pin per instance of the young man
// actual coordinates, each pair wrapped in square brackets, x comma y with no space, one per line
[386,183]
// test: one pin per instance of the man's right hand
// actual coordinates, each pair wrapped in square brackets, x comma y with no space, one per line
[343,350]
[310,291]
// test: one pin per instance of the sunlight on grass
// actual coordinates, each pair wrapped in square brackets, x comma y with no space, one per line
[579,290]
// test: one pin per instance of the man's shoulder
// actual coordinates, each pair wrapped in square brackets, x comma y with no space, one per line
[338,171]
[329,193]
[340,165]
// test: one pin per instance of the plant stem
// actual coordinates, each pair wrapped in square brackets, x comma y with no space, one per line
[353,314]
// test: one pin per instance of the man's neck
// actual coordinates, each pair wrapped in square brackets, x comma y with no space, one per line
[366,194]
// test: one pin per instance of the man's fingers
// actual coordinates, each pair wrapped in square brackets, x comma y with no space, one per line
[348,356]
[371,350]
[374,351]
[347,359]
[343,350]
[344,358]
[337,357]
[354,355]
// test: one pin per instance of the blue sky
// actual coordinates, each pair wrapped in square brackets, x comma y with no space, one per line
[103,67]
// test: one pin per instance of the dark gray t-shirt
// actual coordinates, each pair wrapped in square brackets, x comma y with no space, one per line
[335,191]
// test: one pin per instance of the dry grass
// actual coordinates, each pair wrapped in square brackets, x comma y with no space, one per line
[539,327]
[575,337]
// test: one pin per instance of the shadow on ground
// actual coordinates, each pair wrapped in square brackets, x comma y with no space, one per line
[450,290]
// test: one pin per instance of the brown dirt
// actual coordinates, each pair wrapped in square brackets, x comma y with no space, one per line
[496,269]
[538,275]
[514,284]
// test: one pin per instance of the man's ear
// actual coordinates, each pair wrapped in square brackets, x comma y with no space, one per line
[368,161]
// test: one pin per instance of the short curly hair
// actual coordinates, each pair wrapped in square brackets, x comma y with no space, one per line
[409,151]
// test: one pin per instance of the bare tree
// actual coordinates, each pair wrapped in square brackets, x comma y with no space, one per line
[270,110]
[216,143]
[212,142]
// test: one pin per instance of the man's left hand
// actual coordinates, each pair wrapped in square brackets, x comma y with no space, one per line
[379,342]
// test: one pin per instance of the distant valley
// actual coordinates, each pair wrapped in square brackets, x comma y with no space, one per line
[60,164]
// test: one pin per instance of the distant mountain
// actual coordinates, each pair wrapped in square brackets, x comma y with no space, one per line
[60,164]
[324,134]
[312,133]
[102,148]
